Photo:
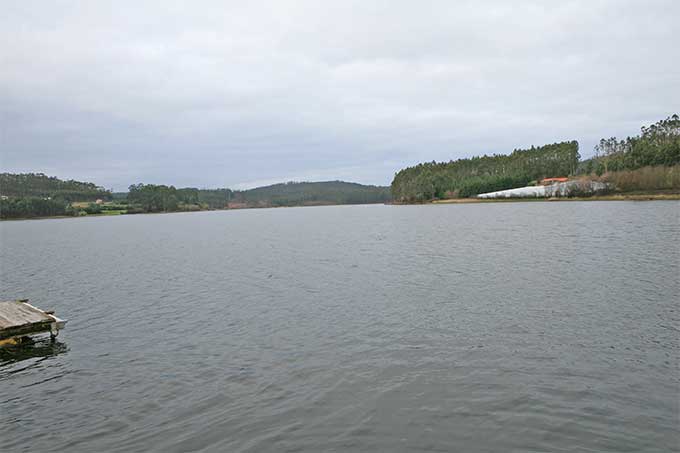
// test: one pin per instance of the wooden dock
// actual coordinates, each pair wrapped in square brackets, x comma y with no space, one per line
[19,319]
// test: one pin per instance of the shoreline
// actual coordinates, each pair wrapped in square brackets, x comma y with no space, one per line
[615,197]
[244,208]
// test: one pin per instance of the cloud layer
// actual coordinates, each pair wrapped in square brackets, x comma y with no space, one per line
[236,94]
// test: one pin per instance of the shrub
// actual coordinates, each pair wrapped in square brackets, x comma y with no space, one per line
[646,178]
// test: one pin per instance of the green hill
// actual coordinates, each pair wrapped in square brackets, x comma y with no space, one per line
[39,185]
[312,193]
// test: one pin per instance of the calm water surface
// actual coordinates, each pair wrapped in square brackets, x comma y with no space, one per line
[501,327]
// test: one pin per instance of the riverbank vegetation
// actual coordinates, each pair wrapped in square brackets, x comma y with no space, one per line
[147,198]
[27,207]
[646,179]
[38,195]
[647,162]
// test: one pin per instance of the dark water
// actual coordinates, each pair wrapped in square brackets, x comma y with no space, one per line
[503,327]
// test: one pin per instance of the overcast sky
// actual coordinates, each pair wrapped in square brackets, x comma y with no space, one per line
[244,93]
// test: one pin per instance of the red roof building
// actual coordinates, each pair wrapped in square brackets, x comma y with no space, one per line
[548,181]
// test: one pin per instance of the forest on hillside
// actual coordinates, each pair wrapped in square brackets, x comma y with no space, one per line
[155,198]
[643,162]
[39,195]
[162,198]
[310,193]
[36,195]
[467,177]
[39,185]
[657,145]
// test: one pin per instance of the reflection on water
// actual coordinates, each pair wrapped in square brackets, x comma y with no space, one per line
[31,348]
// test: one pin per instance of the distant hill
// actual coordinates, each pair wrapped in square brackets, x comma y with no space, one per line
[162,198]
[312,193]
[37,195]
[39,185]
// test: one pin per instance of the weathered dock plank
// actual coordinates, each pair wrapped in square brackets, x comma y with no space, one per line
[18,318]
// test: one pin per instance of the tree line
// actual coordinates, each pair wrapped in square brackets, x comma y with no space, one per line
[640,162]
[26,195]
[312,193]
[36,195]
[14,208]
[471,176]
[657,145]
[39,185]
[162,198]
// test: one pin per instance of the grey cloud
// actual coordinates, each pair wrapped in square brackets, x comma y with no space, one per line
[235,94]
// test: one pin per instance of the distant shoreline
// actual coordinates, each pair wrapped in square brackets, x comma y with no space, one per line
[613,197]
[244,208]
[616,197]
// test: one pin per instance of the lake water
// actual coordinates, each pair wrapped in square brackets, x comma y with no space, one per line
[496,327]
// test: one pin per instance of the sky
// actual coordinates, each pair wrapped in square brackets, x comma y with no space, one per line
[240,94]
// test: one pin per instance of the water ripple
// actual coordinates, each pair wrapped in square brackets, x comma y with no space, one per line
[382,328]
